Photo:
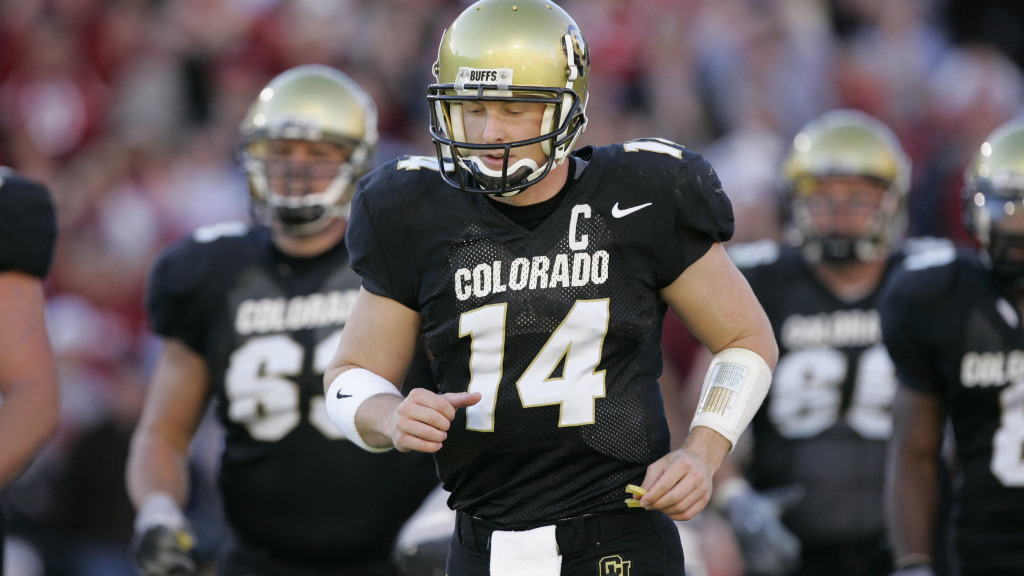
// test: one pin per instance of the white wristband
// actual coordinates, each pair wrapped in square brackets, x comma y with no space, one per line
[159,508]
[734,387]
[347,393]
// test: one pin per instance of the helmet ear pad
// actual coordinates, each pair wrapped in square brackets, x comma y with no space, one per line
[457,122]
[547,123]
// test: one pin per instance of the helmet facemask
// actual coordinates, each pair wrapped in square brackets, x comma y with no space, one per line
[301,197]
[466,171]
[819,221]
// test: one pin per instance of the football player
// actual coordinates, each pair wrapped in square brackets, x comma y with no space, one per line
[952,322]
[540,275]
[809,500]
[249,316]
[29,397]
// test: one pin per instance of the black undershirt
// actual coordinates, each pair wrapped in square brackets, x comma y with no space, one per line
[531,216]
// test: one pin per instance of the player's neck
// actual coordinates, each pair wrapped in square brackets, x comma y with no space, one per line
[546,189]
[852,280]
[312,245]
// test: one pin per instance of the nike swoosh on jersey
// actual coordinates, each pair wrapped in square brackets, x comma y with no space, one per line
[620,212]
[340,395]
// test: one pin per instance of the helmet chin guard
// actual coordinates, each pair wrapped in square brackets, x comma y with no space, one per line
[506,181]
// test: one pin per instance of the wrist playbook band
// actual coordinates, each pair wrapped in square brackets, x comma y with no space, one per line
[735,385]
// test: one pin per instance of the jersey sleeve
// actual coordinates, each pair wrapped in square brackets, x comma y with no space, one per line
[173,298]
[899,308]
[28,226]
[374,242]
[702,217]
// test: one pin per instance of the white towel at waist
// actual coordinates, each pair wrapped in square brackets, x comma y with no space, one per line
[525,553]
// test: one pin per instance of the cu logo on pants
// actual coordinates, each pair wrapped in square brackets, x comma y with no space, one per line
[613,566]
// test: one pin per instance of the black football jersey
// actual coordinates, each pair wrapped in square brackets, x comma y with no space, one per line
[955,333]
[827,417]
[557,327]
[267,326]
[28,225]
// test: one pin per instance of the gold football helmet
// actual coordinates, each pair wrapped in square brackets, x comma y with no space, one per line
[845,143]
[994,199]
[508,50]
[312,103]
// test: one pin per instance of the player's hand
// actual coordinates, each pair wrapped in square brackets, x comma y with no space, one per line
[423,419]
[163,539]
[678,484]
[163,551]
[768,547]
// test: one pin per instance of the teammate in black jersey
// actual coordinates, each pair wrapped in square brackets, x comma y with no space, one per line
[250,316]
[539,277]
[817,458]
[29,406]
[952,323]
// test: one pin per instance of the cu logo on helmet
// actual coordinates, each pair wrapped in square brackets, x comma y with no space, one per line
[613,566]
[579,46]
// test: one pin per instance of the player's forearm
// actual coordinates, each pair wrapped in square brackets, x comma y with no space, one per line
[156,465]
[911,490]
[912,497]
[28,378]
[28,418]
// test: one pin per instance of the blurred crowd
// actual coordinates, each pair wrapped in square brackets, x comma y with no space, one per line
[129,109]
